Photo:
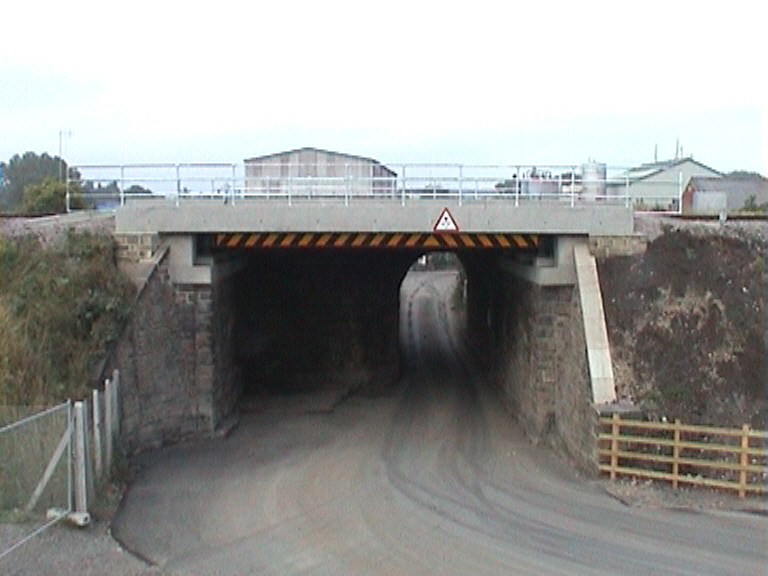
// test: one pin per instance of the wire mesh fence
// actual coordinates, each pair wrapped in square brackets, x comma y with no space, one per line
[54,461]
[35,471]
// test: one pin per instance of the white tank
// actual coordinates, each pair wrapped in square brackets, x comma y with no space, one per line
[593,180]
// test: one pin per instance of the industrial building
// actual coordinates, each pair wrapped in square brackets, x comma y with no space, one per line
[724,195]
[313,172]
[659,185]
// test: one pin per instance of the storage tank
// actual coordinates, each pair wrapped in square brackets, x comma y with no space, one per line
[539,185]
[593,180]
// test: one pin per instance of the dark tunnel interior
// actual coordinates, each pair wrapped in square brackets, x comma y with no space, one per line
[300,321]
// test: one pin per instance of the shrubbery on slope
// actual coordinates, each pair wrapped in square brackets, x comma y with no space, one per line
[60,307]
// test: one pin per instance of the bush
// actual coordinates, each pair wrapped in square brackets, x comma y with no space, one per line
[49,197]
[60,307]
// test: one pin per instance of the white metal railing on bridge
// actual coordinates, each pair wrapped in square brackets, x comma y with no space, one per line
[107,186]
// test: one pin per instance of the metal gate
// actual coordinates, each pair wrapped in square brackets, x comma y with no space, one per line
[52,462]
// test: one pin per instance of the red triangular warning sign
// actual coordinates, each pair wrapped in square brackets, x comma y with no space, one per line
[445,223]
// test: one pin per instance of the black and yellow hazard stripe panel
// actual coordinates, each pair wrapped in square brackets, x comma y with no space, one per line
[435,241]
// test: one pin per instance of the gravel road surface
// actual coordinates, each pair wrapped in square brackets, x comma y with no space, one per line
[434,478]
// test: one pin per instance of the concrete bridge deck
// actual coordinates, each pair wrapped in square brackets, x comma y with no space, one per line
[489,214]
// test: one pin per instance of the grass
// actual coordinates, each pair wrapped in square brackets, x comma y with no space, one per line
[61,305]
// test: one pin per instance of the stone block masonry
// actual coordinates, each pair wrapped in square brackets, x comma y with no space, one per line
[531,340]
[531,351]
[166,362]
[136,247]
[576,415]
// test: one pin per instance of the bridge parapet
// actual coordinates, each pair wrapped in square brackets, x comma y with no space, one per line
[348,183]
[213,197]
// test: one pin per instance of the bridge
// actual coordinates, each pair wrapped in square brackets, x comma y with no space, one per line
[283,277]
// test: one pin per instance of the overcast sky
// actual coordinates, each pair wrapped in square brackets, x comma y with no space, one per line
[401,81]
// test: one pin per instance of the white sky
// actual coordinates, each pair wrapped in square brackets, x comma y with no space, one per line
[471,82]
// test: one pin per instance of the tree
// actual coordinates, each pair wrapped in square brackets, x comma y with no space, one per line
[135,190]
[30,169]
[49,197]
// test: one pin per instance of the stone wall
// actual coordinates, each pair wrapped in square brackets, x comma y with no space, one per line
[530,350]
[165,363]
[530,340]
[228,381]
[136,247]
[575,414]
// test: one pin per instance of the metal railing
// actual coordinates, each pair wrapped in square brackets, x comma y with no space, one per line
[109,186]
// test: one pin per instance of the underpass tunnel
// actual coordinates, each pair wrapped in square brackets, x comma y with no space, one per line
[479,300]
[432,309]
[292,321]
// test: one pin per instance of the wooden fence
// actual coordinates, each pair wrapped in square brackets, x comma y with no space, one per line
[723,458]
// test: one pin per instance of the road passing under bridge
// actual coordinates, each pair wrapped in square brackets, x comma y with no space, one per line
[432,478]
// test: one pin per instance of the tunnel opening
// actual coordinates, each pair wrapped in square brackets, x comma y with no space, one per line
[298,322]
[305,321]
[432,311]
[294,322]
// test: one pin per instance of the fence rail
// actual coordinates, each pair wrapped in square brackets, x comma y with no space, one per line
[725,458]
[112,185]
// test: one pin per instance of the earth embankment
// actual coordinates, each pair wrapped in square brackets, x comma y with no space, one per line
[686,321]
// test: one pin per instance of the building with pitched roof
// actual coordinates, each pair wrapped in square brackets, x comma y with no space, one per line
[726,194]
[312,171]
[659,185]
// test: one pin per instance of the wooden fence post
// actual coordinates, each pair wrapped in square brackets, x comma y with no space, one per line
[744,460]
[676,455]
[81,501]
[97,432]
[614,444]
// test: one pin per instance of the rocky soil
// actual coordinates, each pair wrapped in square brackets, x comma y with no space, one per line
[686,321]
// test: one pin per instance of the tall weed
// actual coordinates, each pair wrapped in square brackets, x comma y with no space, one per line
[60,307]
